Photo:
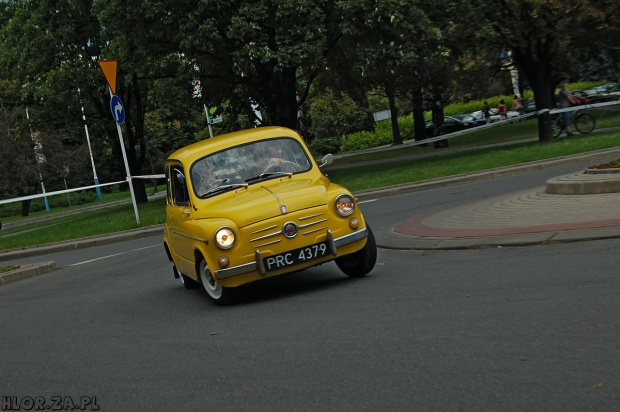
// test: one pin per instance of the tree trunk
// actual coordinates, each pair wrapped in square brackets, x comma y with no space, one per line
[391,95]
[544,100]
[540,78]
[419,125]
[25,207]
[139,191]
[437,113]
[278,87]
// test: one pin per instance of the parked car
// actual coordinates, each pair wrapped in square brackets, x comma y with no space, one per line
[452,124]
[597,94]
[468,118]
[494,116]
[254,204]
[529,106]
[589,96]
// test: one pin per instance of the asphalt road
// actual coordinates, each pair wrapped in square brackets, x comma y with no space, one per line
[532,328]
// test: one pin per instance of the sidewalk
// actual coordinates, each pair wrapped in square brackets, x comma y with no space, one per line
[527,218]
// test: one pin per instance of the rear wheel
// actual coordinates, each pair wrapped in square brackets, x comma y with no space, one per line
[217,293]
[360,263]
[584,123]
[188,283]
[558,126]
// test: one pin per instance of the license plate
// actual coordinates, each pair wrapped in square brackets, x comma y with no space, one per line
[294,257]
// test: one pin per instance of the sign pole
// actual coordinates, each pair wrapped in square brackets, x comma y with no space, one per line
[133,197]
[208,122]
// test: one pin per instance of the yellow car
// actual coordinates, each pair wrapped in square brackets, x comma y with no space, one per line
[254,204]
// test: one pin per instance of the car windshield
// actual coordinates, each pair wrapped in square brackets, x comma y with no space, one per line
[242,165]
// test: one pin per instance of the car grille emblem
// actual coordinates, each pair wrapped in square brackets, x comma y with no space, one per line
[289,230]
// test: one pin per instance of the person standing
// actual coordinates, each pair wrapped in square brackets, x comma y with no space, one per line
[565,100]
[486,112]
[501,110]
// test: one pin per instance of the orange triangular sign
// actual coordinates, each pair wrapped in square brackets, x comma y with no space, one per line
[109,71]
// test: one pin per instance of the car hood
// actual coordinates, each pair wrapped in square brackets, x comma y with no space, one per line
[263,200]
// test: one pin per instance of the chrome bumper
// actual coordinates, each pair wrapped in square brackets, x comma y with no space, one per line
[257,265]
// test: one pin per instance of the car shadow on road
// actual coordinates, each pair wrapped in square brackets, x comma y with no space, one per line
[306,282]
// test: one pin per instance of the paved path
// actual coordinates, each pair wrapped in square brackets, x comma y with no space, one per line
[525,218]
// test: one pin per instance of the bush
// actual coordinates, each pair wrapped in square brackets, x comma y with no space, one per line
[381,136]
[320,147]
[366,140]
[335,113]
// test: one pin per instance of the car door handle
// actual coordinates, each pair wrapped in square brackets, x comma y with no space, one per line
[187,212]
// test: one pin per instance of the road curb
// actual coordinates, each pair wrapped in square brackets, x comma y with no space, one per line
[82,243]
[389,239]
[27,271]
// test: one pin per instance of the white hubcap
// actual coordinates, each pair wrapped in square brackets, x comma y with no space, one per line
[208,283]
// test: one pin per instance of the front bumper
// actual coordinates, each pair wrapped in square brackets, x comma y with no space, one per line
[257,265]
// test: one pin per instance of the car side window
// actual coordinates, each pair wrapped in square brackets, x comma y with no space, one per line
[178,186]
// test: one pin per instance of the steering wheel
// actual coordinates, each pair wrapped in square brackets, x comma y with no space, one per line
[285,167]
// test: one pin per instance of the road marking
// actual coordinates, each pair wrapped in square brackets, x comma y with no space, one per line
[116,254]
[367,201]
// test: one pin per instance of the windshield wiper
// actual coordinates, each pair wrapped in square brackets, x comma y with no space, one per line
[267,174]
[224,187]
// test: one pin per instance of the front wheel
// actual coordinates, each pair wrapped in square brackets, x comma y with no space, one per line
[220,295]
[360,263]
[584,123]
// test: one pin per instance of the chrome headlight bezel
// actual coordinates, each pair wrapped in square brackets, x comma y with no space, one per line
[221,237]
[344,204]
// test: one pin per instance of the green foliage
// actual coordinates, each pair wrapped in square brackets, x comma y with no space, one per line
[382,135]
[335,114]
[366,140]
[320,147]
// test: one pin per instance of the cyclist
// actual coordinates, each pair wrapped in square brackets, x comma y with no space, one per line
[566,100]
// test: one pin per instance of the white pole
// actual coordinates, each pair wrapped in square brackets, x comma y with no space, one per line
[92,161]
[133,197]
[47,205]
[208,122]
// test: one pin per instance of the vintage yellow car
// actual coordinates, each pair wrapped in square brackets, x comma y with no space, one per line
[254,204]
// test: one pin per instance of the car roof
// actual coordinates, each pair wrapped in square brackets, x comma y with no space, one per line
[197,150]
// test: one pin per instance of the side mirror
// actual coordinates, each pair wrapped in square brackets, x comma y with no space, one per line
[327,160]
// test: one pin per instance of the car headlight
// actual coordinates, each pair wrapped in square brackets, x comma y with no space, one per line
[225,237]
[345,205]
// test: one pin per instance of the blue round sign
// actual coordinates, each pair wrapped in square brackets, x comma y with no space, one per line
[117,108]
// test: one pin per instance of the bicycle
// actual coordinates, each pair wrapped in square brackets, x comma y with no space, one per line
[584,123]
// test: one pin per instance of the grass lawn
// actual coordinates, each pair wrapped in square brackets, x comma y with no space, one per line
[93,223]
[401,171]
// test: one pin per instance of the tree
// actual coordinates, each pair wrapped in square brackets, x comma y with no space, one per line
[382,39]
[546,38]
[19,176]
[335,114]
[52,50]
[268,51]
[28,155]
